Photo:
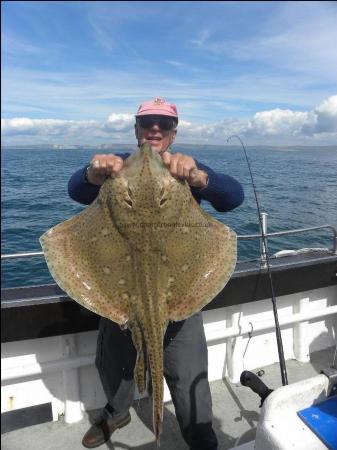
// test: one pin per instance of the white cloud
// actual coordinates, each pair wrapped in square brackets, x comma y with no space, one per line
[276,126]
[271,127]
[209,133]
[119,122]
[322,119]
[24,126]
[276,122]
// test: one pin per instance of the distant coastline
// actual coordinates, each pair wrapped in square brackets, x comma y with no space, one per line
[175,146]
[66,146]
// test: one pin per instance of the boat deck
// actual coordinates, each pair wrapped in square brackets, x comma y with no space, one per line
[235,407]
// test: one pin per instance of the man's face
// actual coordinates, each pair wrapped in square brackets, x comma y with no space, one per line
[159,138]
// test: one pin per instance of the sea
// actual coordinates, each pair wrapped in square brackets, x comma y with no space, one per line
[296,187]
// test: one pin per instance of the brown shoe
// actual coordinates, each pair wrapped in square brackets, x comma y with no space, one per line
[102,429]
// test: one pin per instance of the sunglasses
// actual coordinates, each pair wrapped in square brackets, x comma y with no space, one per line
[164,122]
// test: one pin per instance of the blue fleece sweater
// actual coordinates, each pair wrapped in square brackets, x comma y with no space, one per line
[222,191]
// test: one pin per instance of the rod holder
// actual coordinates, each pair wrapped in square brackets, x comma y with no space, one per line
[263,243]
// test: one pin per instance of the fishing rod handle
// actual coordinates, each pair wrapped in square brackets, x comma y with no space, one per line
[252,381]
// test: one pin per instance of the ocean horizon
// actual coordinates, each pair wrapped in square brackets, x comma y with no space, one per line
[176,146]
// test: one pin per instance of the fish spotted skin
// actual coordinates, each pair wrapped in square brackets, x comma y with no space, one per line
[143,253]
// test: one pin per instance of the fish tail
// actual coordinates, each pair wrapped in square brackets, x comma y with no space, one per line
[157,426]
[141,367]
[140,372]
[156,366]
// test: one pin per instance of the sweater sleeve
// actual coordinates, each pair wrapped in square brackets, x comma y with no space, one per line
[80,190]
[222,191]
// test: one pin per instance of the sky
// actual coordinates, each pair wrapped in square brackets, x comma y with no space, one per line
[76,72]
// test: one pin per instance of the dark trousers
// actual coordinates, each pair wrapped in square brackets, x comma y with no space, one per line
[185,371]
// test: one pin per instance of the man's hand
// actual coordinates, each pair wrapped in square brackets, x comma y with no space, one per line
[184,167]
[103,166]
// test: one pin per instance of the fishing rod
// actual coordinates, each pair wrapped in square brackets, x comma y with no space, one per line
[248,378]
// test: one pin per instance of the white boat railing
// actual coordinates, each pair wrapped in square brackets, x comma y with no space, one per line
[263,250]
[71,360]
[21,255]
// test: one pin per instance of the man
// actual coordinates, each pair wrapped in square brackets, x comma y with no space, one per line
[185,349]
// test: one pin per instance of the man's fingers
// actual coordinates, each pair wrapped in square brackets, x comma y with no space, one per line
[95,163]
[166,157]
[173,167]
[187,171]
[106,165]
[102,166]
[180,168]
[193,174]
[109,168]
[179,165]
[197,178]
[117,166]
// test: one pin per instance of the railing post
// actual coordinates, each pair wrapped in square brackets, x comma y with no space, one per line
[263,247]
[72,402]
[234,348]
[300,331]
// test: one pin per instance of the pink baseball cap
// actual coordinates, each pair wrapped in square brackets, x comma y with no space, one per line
[158,106]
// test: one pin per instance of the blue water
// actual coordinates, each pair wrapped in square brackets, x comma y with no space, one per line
[296,187]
